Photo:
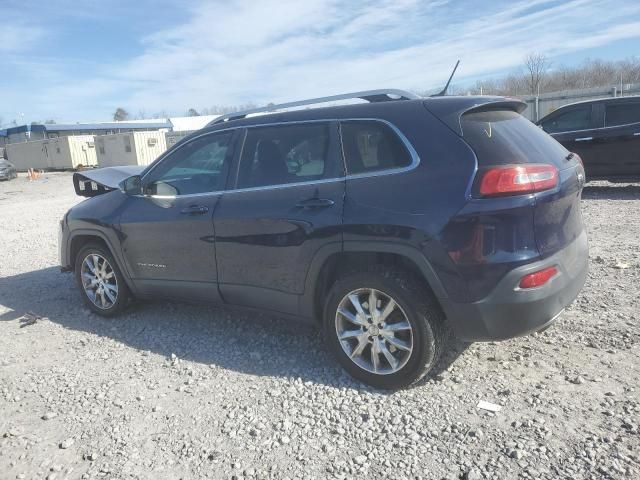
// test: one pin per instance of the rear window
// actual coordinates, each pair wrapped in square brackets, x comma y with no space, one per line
[622,114]
[501,137]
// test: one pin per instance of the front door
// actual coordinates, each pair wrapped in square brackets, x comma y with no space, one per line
[168,237]
[578,128]
[287,205]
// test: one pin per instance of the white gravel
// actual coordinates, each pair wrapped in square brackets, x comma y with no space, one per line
[173,391]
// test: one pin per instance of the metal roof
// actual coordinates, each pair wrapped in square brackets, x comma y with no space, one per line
[188,124]
[60,127]
[66,127]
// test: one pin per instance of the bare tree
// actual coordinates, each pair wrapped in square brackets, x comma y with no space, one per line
[141,115]
[218,109]
[536,65]
[120,114]
[192,112]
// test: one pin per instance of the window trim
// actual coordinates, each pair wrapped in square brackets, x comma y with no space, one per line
[415,158]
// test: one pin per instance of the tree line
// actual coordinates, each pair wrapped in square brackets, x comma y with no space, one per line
[538,75]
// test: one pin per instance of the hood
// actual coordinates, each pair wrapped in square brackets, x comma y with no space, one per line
[90,183]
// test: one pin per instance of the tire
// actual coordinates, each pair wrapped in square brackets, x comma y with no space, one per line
[111,302]
[413,302]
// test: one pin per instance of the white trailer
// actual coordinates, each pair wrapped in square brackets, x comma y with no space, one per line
[61,153]
[131,148]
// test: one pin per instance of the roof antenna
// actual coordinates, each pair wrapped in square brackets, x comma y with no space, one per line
[443,92]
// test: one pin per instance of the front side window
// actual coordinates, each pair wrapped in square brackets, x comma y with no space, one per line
[578,118]
[198,166]
[285,154]
[622,114]
[370,146]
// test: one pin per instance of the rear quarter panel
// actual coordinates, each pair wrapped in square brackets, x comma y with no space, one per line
[412,208]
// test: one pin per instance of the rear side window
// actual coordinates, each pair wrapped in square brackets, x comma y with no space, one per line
[371,146]
[578,118]
[622,114]
[501,137]
[285,154]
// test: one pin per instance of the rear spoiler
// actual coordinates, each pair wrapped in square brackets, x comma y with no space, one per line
[450,109]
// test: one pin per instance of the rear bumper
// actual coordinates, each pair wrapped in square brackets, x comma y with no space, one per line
[510,312]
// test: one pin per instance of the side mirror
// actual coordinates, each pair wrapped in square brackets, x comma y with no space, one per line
[131,185]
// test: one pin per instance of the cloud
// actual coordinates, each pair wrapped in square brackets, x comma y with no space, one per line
[19,36]
[233,52]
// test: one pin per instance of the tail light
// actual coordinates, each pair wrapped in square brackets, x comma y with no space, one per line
[537,279]
[515,179]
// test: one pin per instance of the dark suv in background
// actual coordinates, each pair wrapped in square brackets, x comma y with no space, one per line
[605,133]
[388,223]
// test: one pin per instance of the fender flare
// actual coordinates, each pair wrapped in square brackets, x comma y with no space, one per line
[306,306]
[89,232]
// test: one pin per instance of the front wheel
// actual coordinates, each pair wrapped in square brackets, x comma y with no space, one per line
[384,327]
[101,283]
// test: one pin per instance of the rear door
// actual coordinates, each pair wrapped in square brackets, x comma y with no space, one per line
[622,148]
[286,206]
[167,233]
[579,129]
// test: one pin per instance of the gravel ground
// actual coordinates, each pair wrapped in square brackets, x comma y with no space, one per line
[182,391]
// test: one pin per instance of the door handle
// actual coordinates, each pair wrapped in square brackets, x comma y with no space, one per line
[584,139]
[315,203]
[195,210]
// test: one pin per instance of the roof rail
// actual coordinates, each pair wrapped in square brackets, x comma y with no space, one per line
[382,95]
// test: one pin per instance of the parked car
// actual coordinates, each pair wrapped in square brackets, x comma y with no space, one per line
[388,223]
[604,133]
[7,170]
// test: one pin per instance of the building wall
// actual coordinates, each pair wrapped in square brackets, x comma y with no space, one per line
[115,150]
[25,137]
[25,155]
[174,137]
[149,146]
[55,153]
[548,102]
[82,150]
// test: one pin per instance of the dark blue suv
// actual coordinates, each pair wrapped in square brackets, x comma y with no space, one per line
[389,223]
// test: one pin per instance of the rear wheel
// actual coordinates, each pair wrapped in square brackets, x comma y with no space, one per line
[101,283]
[383,327]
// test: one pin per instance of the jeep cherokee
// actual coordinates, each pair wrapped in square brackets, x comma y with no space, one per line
[389,223]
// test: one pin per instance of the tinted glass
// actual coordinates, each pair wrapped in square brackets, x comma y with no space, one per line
[199,166]
[578,118]
[501,137]
[371,146]
[622,114]
[284,154]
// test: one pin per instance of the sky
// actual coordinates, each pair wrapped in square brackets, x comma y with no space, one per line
[79,60]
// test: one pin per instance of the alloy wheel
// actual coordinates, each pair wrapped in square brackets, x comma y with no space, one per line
[374,331]
[99,281]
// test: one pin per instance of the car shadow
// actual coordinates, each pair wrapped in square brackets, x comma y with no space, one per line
[611,192]
[251,343]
